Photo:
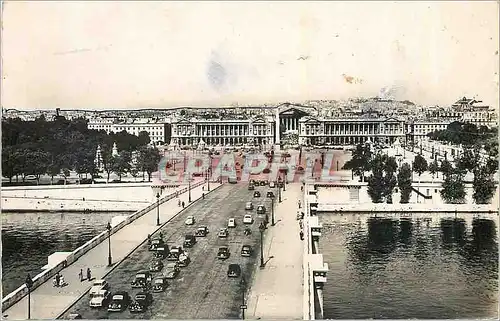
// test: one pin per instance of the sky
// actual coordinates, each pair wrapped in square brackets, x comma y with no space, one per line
[121,55]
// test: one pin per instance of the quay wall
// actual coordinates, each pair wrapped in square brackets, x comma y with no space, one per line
[39,279]
[95,197]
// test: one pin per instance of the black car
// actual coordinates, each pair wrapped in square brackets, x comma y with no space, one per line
[251,187]
[263,183]
[160,284]
[256,194]
[156,266]
[160,253]
[119,302]
[202,231]
[189,240]
[142,279]
[142,301]
[234,270]
[246,250]
[155,244]
[223,253]
[174,253]
[261,209]
[270,194]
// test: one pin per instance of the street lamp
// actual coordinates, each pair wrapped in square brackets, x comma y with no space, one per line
[262,227]
[189,187]
[284,180]
[29,285]
[243,306]
[209,176]
[272,210]
[158,209]
[279,189]
[108,227]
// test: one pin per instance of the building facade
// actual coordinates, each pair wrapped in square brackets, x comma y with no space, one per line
[157,130]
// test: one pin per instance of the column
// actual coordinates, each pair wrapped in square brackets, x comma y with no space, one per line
[277,129]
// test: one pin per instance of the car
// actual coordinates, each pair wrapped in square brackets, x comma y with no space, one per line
[99,298]
[272,184]
[263,183]
[202,231]
[174,253]
[233,271]
[155,244]
[252,182]
[171,270]
[231,223]
[248,206]
[261,209]
[189,220]
[142,279]
[247,219]
[74,316]
[267,170]
[223,253]
[142,301]
[156,266]
[119,302]
[160,253]
[256,194]
[160,284]
[246,250]
[270,194]
[223,232]
[232,180]
[189,240]
[251,187]
[184,259]
[97,286]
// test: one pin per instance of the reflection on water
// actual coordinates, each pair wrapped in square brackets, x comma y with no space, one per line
[410,268]
[29,238]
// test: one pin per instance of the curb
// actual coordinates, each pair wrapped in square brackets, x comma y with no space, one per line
[60,315]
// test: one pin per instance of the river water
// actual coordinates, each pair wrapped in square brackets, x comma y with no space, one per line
[29,238]
[395,268]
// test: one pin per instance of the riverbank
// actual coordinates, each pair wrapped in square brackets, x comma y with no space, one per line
[408,208]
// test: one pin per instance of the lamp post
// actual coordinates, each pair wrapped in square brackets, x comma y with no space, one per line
[279,189]
[158,209]
[261,229]
[243,305]
[110,260]
[284,180]
[272,210]
[189,187]
[29,285]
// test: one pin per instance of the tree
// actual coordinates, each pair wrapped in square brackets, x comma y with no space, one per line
[405,183]
[468,160]
[108,161]
[453,191]
[148,160]
[434,167]
[122,164]
[9,162]
[143,139]
[360,160]
[382,181]
[446,168]
[36,163]
[419,165]
[483,185]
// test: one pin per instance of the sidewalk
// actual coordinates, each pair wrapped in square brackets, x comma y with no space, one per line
[47,302]
[276,290]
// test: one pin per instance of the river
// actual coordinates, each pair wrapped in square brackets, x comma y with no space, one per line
[29,238]
[387,268]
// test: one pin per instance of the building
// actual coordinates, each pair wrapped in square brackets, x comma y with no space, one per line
[419,130]
[468,111]
[158,130]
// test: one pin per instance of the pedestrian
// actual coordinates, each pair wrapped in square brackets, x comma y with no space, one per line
[179,203]
[203,188]
[89,274]
[58,277]
[61,281]
[183,204]
[149,239]
[301,235]
[203,195]
[299,204]
[80,275]
[302,188]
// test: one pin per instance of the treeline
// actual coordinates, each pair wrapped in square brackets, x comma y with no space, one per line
[466,134]
[385,175]
[57,147]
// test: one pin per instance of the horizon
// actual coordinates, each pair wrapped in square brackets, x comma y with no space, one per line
[165,55]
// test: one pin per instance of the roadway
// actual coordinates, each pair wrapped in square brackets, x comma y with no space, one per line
[202,290]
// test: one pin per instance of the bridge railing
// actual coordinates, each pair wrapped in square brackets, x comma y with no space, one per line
[16,295]
[309,312]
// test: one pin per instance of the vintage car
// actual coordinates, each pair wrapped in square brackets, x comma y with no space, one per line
[189,240]
[247,219]
[252,182]
[189,220]
[161,252]
[272,184]
[171,270]
[263,183]
[156,266]
[233,271]
[174,253]
[248,206]
[99,298]
[246,250]
[202,231]
[184,259]
[223,253]
[142,279]
[155,244]
[232,180]
[231,222]
[261,209]
[97,286]
[160,284]
[270,194]
[251,187]
[256,194]
[119,302]
[223,232]
[142,301]
[74,316]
